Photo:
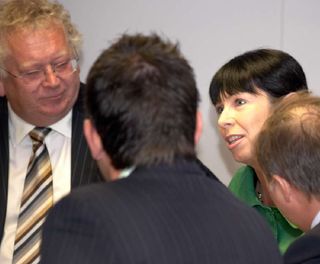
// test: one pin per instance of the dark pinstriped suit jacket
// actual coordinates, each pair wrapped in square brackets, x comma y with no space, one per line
[83,167]
[158,215]
[306,249]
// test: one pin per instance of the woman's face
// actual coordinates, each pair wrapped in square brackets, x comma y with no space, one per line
[241,117]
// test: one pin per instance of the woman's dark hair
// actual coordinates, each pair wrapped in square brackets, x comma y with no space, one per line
[273,71]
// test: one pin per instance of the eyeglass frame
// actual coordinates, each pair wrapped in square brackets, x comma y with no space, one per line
[73,61]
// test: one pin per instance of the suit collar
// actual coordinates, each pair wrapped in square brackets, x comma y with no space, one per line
[83,168]
[180,167]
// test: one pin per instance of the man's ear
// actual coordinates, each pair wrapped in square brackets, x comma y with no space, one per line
[93,139]
[289,95]
[282,188]
[198,131]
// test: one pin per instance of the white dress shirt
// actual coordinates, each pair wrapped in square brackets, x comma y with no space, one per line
[316,220]
[58,143]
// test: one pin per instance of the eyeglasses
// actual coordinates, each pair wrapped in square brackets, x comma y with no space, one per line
[36,76]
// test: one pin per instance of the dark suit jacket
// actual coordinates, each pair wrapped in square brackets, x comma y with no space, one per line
[83,167]
[159,215]
[305,249]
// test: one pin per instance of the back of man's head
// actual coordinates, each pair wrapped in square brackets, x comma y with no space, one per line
[289,143]
[142,98]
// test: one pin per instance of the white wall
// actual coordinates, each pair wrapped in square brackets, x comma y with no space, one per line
[210,33]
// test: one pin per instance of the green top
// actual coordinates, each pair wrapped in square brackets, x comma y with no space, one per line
[242,186]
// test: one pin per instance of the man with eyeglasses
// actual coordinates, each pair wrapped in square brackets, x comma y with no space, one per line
[40,92]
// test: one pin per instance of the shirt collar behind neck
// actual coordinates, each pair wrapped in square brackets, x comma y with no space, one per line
[316,220]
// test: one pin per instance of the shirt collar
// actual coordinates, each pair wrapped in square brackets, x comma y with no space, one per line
[316,220]
[18,128]
[126,172]
[64,125]
[248,193]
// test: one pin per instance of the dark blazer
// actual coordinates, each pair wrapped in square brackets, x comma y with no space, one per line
[83,167]
[305,249]
[159,215]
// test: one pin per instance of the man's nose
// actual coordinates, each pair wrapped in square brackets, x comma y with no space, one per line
[50,76]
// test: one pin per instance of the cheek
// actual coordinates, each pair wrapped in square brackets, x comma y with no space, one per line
[73,85]
[17,94]
[259,122]
[254,129]
[221,130]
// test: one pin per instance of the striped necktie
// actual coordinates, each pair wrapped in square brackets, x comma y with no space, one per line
[36,201]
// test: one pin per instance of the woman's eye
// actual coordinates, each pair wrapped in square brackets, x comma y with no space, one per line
[240,101]
[219,109]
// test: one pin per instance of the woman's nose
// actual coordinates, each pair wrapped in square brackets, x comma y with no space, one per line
[226,118]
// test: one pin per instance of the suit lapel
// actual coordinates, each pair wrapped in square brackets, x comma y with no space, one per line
[4,161]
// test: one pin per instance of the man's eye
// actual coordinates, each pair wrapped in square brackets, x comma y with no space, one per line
[61,66]
[32,74]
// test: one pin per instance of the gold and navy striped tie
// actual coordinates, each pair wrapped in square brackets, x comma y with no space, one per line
[36,200]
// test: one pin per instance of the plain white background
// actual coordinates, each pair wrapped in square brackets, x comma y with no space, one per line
[210,32]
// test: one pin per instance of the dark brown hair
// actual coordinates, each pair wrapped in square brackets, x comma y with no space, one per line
[142,97]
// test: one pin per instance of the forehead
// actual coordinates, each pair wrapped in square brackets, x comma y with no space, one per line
[39,43]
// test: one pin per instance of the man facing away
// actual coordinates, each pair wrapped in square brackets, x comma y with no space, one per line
[43,153]
[288,151]
[159,205]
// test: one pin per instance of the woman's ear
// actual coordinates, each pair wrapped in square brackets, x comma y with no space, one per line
[93,139]
[198,130]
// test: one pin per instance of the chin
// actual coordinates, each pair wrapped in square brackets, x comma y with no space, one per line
[51,117]
[58,110]
[242,158]
[238,158]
